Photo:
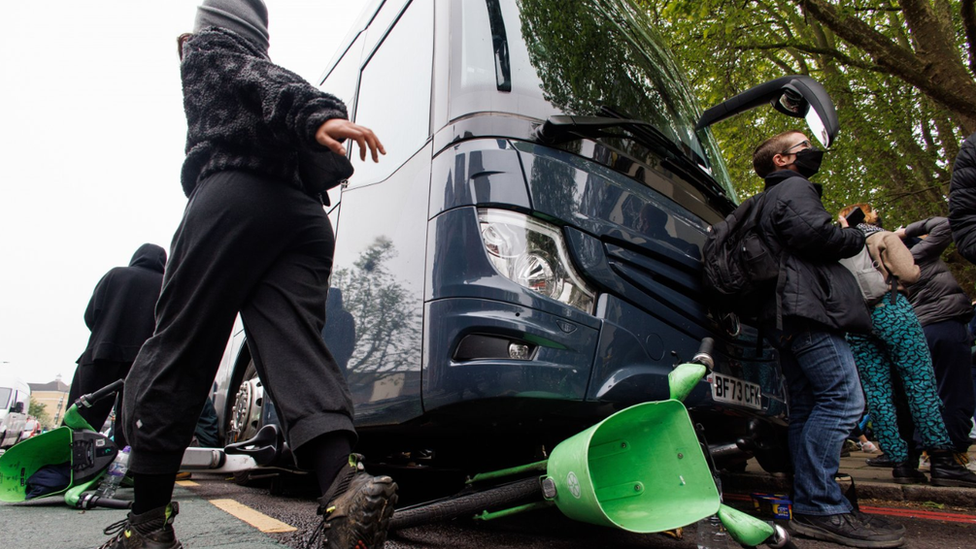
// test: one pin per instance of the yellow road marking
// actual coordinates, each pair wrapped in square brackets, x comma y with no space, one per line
[186,483]
[256,519]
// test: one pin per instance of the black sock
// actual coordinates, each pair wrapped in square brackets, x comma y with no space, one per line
[326,454]
[151,491]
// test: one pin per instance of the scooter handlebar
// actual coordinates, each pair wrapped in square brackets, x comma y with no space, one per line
[113,503]
[88,500]
[704,355]
[110,389]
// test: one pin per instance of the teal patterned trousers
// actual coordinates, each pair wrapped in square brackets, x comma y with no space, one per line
[897,347]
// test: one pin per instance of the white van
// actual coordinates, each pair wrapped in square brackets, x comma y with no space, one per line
[14,403]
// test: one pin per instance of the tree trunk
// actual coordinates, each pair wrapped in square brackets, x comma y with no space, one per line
[934,68]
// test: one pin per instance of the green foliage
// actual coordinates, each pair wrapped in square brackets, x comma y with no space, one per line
[899,132]
[38,410]
[603,54]
[594,54]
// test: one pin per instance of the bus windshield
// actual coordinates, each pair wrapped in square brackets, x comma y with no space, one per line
[583,58]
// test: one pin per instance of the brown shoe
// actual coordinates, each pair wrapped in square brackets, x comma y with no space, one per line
[356,509]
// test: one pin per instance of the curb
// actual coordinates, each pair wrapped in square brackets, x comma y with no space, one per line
[920,493]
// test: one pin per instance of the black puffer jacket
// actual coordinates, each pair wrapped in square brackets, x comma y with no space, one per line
[936,296]
[243,112]
[962,199]
[813,286]
[120,313]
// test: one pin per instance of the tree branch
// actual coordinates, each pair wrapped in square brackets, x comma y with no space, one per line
[899,196]
[968,11]
[814,50]
[932,71]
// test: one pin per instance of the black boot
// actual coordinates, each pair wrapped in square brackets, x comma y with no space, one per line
[946,471]
[150,530]
[880,461]
[907,472]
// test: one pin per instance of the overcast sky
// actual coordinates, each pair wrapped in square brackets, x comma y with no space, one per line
[91,148]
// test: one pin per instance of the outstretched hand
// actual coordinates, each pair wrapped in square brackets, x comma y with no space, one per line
[331,131]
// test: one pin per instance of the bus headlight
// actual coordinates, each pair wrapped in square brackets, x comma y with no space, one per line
[533,254]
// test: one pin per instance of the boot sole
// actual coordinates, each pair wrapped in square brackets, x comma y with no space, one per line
[388,493]
[949,483]
[817,533]
[910,480]
[382,497]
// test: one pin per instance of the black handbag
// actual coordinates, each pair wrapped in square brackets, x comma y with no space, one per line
[322,170]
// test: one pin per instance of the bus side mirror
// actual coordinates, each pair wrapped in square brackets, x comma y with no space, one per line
[797,96]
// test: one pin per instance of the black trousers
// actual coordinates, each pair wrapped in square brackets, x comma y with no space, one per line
[257,246]
[92,377]
[950,345]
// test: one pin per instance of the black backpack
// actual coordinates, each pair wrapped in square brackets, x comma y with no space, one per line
[738,262]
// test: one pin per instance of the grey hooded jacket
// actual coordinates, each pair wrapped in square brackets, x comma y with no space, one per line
[936,296]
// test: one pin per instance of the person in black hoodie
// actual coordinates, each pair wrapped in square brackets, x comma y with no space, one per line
[120,317]
[962,199]
[254,239]
[944,310]
[814,303]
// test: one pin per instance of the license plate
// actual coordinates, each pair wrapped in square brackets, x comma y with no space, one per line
[735,391]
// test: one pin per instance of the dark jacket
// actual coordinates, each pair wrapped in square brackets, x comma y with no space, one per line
[243,112]
[120,313]
[813,285]
[936,296]
[962,199]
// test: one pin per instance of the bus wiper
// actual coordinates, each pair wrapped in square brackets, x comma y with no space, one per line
[499,40]
[560,129]
[563,128]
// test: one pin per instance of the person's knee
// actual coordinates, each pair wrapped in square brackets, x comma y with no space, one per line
[856,401]
[845,406]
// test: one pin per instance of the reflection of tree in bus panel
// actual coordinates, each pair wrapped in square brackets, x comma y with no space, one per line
[385,323]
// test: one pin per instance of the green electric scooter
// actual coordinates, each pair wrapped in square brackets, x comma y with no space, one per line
[642,470]
[74,457]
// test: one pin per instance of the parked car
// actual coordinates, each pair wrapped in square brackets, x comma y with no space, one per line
[31,427]
[14,403]
[526,259]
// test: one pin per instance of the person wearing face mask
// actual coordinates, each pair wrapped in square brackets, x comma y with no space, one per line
[814,303]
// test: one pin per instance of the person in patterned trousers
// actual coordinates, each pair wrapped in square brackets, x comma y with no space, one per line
[897,347]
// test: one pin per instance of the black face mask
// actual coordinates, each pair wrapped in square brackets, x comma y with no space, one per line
[808,161]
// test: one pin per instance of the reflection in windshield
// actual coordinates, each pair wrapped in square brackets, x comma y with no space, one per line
[591,54]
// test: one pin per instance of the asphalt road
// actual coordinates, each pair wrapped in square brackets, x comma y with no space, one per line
[204,523]
[550,530]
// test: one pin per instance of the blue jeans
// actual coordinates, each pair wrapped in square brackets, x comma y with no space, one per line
[825,404]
